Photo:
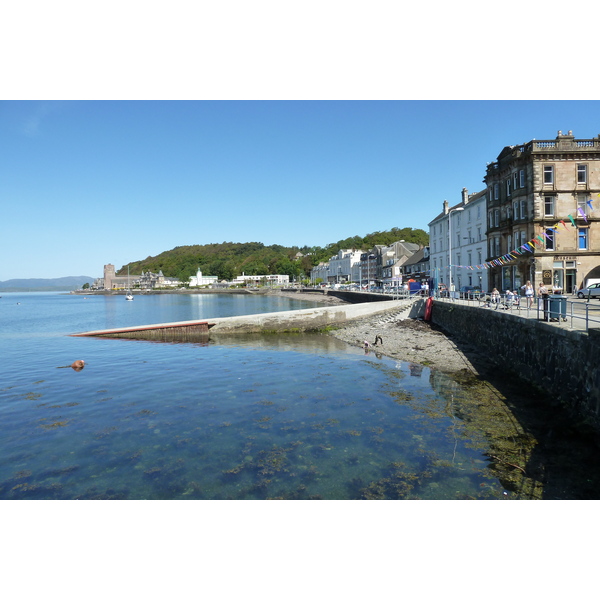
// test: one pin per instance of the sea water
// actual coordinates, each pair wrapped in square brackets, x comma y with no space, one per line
[298,416]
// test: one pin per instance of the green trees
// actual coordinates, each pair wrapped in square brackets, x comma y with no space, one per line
[228,260]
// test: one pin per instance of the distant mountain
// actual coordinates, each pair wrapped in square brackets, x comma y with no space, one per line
[58,284]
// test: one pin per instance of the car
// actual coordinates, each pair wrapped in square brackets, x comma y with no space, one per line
[591,291]
[470,292]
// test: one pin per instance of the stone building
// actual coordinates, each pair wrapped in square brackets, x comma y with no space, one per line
[543,211]
[146,281]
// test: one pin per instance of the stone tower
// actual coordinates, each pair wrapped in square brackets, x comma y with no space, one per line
[109,275]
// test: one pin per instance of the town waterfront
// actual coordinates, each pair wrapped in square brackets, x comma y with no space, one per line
[254,417]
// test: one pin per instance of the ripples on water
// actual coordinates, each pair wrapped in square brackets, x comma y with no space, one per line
[298,416]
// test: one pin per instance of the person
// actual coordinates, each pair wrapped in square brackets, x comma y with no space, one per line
[543,299]
[510,299]
[495,297]
[528,289]
[378,339]
[517,299]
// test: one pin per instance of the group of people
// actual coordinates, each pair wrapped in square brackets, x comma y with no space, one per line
[512,298]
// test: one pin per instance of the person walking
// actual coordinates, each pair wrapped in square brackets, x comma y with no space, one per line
[528,289]
[495,297]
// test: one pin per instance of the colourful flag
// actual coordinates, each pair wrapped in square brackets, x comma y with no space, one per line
[572,221]
[582,213]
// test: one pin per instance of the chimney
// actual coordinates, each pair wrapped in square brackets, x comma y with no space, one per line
[445,207]
[465,196]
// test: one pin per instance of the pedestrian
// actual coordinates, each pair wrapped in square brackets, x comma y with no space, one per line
[517,299]
[510,299]
[378,339]
[495,297]
[528,289]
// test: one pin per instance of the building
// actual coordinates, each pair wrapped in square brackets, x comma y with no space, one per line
[343,267]
[458,245]
[256,280]
[199,279]
[393,257]
[541,222]
[145,281]
[417,267]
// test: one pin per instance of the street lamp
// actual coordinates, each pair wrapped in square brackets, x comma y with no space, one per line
[451,286]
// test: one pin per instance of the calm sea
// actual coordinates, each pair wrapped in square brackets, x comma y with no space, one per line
[255,417]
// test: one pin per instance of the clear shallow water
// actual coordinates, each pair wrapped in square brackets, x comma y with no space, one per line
[296,416]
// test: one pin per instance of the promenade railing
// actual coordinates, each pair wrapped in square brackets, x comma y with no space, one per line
[556,309]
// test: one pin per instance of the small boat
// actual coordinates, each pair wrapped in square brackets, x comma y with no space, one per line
[128,295]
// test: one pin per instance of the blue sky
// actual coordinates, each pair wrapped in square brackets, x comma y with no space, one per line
[85,183]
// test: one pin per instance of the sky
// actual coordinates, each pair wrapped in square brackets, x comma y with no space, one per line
[90,182]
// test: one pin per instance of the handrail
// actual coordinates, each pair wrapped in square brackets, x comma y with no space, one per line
[542,309]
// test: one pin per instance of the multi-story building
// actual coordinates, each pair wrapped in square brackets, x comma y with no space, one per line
[541,223]
[343,267]
[457,243]
[417,267]
[392,258]
[145,281]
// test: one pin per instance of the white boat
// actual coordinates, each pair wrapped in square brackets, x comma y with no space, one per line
[128,295]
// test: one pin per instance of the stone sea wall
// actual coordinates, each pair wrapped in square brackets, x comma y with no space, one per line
[306,319]
[559,362]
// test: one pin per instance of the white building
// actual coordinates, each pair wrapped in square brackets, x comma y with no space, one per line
[262,279]
[200,279]
[457,243]
[343,267]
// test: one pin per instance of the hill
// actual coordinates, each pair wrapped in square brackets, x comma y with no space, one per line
[229,259]
[59,284]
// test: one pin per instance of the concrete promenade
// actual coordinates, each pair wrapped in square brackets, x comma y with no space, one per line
[310,319]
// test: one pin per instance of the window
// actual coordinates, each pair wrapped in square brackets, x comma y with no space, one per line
[515,210]
[582,238]
[508,188]
[582,203]
[491,218]
[478,257]
[515,180]
[497,244]
[550,239]
[549,206]
[581,173]
[548,174]
[522,178]
[509,243]
[523,210]
[496,191]
[496,218]
[479,234]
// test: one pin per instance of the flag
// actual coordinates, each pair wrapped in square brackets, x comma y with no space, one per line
[572,221]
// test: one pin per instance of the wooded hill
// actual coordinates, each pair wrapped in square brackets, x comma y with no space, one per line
[228,260]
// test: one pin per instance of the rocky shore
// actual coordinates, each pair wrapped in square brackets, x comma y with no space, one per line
[406,339]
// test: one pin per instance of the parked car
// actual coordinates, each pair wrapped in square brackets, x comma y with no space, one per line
[591,291]
[470,292]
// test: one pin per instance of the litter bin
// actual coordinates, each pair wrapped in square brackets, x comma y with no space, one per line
[557,307]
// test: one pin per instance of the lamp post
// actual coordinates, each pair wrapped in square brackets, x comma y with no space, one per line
[451,286]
